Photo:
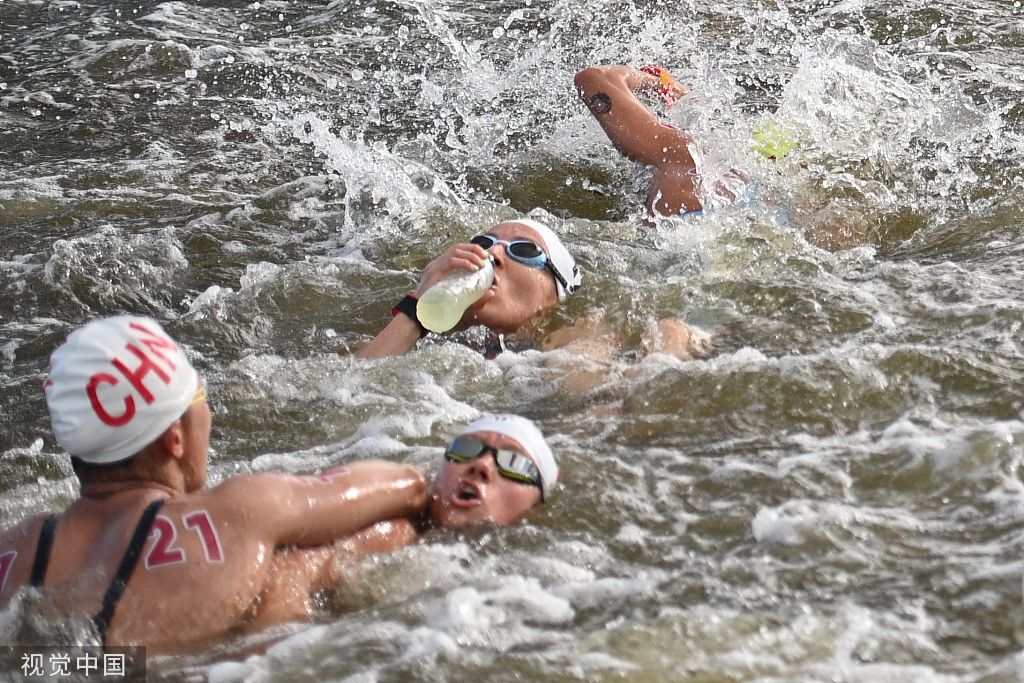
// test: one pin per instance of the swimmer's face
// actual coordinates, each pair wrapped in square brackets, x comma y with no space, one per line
[474,492]
[519,291]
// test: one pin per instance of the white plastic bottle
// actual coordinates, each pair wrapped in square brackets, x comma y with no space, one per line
[441,307]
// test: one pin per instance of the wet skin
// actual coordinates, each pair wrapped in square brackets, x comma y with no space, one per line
[519,292]
[474,492]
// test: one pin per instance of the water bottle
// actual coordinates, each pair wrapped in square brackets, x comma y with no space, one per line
[441,307]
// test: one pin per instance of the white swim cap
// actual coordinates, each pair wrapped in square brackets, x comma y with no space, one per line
[526,433]
[115,386]
[560,257]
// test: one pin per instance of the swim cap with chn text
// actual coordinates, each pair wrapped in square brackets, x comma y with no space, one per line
[115,386]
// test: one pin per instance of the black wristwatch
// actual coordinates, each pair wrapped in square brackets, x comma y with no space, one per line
[408,306]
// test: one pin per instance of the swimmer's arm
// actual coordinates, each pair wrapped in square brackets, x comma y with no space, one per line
[595,341]
[639,81]
[593,345]
[632,128]
[599,342]
[322,566]
[323,508]
[296,571]
[382,537]
[402,333]
[398,337]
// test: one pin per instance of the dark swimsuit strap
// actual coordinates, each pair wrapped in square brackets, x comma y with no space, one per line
[501,343]
[124,571]
[42,561]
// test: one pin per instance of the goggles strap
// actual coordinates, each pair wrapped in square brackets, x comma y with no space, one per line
[558,276]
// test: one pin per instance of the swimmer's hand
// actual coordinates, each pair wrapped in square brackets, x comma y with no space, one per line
[676,90]
[467,257]
[401,334]
[658,80]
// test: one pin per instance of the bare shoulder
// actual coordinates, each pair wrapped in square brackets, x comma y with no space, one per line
[253,484]
[17,548]
[21,533]
[247,493]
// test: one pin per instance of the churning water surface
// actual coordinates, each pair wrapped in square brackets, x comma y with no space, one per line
[834,495]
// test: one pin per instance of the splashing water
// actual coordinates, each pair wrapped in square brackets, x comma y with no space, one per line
[835,495]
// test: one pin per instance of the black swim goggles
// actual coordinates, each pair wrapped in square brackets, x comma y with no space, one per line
[527,252]
[511,464]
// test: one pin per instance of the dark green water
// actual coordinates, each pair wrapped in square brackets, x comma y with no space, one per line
[835,496]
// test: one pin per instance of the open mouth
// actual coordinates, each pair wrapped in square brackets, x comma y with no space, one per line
[467,495]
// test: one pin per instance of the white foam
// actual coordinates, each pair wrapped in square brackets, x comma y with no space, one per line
[232,672]
[770,525]
[117,266]
[602,591]
[428,643]
[476,613]
[388,178]
[32,189]
[555,569]
[209,298]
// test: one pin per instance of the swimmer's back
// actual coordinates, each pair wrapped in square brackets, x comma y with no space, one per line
[198,576]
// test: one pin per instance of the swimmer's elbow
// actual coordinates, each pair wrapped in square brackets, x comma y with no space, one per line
[589,80]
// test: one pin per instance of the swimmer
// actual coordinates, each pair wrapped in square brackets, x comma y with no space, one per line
[533,273]
[132,412]
[497,470]
[609,93]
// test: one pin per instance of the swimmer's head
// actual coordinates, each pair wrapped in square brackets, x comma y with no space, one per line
[567,274]
[115,386]
[496,470]
[526,282]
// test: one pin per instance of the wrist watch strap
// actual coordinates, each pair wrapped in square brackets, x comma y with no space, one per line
[408,306]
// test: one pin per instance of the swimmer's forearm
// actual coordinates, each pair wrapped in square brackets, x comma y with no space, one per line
[637,80]
[634,130]
[400,335]
[597,77]
[302,570]
[381,537]
[283,510]
[327,507]
[677,338]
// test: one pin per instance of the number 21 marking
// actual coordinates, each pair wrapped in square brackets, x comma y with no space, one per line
[166,533]
[203,525]
[162,551]
[6,560]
